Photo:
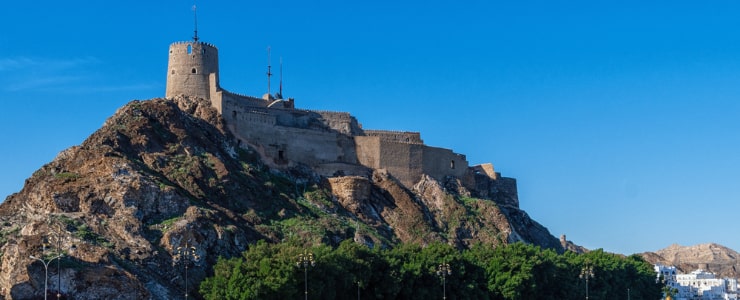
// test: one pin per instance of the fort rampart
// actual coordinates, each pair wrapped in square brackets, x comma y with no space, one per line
[396,136]
[332,143]
[408,161]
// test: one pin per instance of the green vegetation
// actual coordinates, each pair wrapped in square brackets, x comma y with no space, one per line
[472,203]
[8,232]
[516,271]
[67,175]
[166,224]
[83,232]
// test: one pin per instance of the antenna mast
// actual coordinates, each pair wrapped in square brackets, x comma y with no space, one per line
[281,77]
[195,20]
[269,67]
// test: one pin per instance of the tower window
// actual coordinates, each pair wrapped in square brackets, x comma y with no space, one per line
[193,71]
[173,72]
[281,154]
[452,164]
[190,49]
[233,114]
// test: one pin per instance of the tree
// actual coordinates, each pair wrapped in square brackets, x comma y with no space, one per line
[264,271]
[521,271]
[515,271]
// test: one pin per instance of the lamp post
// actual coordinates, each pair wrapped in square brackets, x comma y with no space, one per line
[305,259]
[186,255]
[59,268]
[444,270]
[46,265]
[586,273]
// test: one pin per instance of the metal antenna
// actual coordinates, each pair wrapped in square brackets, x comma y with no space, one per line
[281,77]
[269,68]
[195,19]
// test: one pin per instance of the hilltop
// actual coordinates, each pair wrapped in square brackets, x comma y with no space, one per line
[711,257]
[166,173]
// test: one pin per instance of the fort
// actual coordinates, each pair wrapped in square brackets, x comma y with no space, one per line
[330,143]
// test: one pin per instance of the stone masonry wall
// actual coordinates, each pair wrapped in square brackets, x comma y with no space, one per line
[402,160]
[340,121]
[439,163]
[286,145]
[408,161]
[191,68]
[368,151]
[396,136]
[485,169]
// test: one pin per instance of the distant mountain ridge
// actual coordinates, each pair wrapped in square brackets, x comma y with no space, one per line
[711,257]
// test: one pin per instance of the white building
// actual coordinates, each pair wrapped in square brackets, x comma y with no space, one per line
[698,284]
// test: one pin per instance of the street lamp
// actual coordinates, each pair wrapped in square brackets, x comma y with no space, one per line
[305,259]
[59,268]
[444,270]
[46,265]
[586,273]
[186,255]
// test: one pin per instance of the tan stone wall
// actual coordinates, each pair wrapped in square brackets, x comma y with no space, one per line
[396,136]
[191,68]
[408,161]
[284,145]
[340,121]
[368,151]
[439,163]
[486,169]
[251,118]
[402,160]
[241,102]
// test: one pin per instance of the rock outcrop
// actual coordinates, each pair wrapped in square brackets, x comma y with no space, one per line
[711,257]
[165,174]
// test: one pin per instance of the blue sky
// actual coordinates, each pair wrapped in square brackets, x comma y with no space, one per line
[619,119]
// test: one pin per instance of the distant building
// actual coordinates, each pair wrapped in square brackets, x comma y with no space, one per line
[697,285]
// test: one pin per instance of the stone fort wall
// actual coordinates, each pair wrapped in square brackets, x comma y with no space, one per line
[342,122]
[286,136]
[440,163]
[396,136]
[332,143]
[408,161]
[192,70]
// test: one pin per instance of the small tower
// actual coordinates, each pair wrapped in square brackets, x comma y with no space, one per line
[192,70]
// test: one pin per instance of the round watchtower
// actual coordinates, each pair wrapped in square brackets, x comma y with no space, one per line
[192,70]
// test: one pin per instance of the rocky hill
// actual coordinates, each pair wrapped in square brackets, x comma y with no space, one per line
[161,175]
[712,257]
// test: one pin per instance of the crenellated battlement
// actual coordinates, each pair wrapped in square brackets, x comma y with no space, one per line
[394,132]
[396,136]
[318,111]
[192,42]
[192,70]
[243,96]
